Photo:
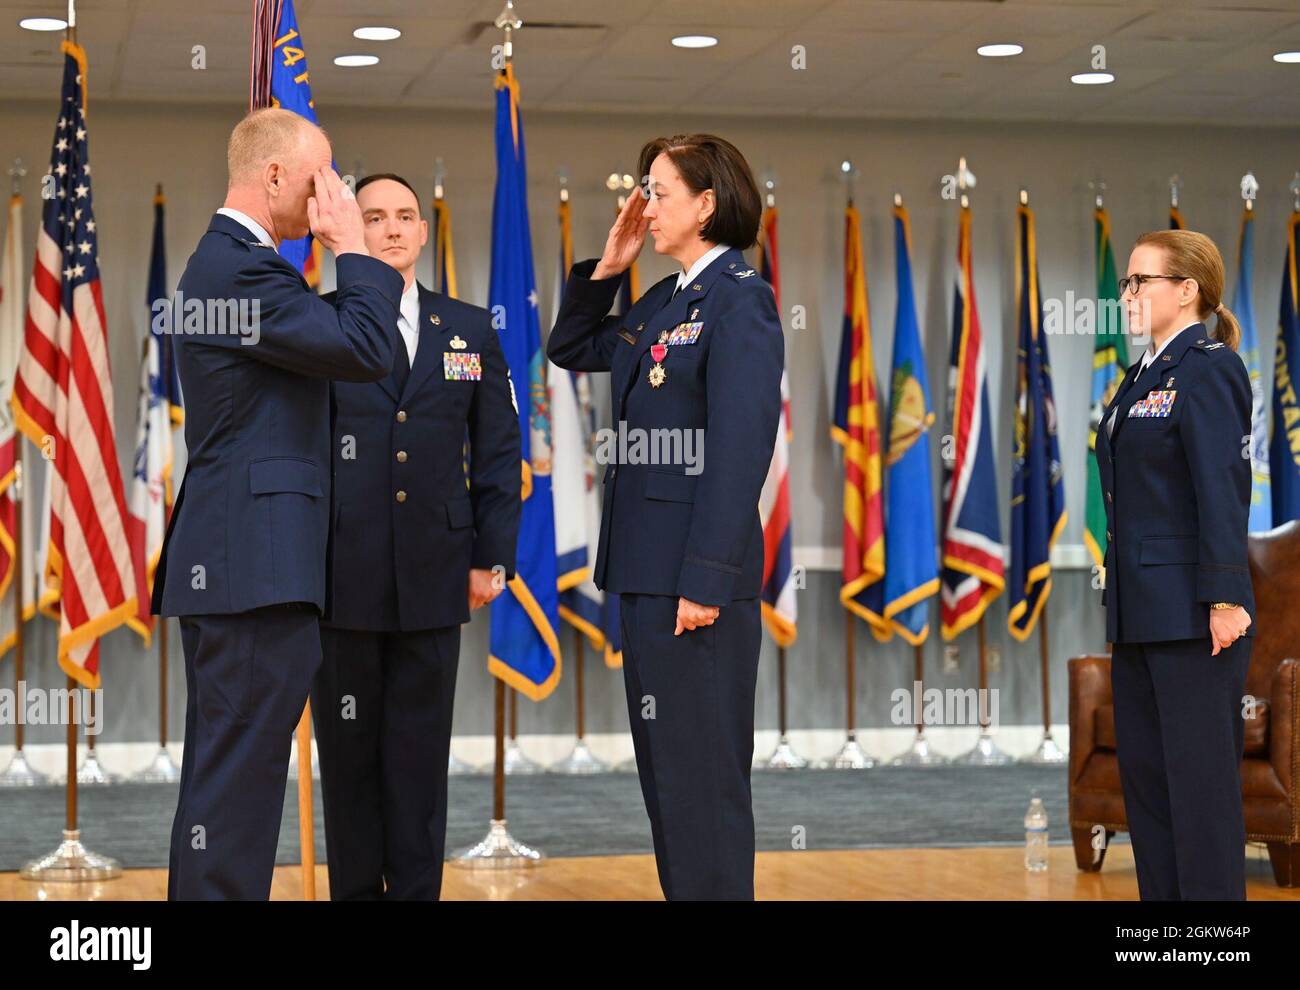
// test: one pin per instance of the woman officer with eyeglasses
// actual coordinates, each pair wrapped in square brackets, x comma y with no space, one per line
[1173,457]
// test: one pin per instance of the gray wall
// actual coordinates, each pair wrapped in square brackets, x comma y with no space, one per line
[134,146]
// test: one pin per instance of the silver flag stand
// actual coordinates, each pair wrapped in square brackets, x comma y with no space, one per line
[784,757]
[498,850]
[1047,752]
[919,754]
[516,763]
[851,756]
[581,760]
[71,863]
[985,752]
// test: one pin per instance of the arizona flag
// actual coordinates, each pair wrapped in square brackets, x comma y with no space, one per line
[1037,486]
[280,79]
[63,398]
[972,573]
[1284,448]
[1261,497]
[778,591]
[524,650]
[159,412]
[857,429]
[912,577]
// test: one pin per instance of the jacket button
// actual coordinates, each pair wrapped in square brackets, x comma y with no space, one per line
[401,457]
[1109,497]
[401,495]
[401,415]
[1108,536]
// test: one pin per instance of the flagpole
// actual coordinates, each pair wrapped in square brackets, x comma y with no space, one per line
[499,850]
[985,752]
[851,756]
[19,773]
[71,861]
[161,769]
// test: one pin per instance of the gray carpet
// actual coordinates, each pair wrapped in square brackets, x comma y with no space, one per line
[604,814]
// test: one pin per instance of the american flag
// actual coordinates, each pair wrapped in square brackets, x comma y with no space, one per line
[63,397]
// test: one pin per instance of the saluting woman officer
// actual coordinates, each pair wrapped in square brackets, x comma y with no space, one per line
[1173,456]
[697,359]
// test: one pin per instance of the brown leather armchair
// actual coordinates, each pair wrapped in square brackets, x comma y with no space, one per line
[1270,767]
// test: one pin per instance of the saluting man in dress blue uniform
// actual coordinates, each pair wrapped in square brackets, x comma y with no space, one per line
[1173,456]
[243,562]
[700,354]
[413,551]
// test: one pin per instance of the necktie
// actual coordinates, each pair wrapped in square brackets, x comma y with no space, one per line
[676,290]
[402,362]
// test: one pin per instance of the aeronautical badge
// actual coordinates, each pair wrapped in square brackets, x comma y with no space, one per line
[461,367]
[456,342]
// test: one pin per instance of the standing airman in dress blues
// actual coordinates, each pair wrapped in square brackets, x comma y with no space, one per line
[243,563]
[414,547]
[699,356]
[1173,455]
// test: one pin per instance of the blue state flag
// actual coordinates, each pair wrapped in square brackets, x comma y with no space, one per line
[911,561]
[524,650]
[1284,448]
[1037,485]
[1261,499]
[291,89]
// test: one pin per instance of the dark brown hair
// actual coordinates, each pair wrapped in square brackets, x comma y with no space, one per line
[391,178]
[1193,255]
[706,161]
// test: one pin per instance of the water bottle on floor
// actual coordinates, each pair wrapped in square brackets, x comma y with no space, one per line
[1036,836]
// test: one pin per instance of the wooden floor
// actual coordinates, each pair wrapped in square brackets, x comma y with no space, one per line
[978,874]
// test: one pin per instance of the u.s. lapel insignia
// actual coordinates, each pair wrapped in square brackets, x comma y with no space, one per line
[456,342]
[433,318]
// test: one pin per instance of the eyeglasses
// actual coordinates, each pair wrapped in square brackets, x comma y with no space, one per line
[1135,281]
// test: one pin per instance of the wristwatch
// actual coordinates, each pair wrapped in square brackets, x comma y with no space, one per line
[1225,605]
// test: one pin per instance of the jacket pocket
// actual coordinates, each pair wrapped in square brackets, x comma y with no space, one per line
[284,474]
[460,513]
[1169,550]
[665,487]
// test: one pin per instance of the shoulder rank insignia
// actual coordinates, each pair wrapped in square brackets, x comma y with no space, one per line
[745,274]
[1215,346]
[457,343]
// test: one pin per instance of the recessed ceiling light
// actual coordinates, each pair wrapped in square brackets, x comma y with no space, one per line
[1092,78]
[42,24]
[1287,57]
[350,61]
[999,51]
[694,41]
[376,33]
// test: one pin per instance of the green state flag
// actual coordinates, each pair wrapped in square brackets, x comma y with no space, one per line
[1109,362]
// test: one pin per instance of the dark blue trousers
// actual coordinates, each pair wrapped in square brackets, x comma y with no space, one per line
[382,704]
[1179,737]
[248,676]
[690,701]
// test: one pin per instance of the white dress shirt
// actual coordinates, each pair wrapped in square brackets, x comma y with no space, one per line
[1148,359]
[254,228]
[684,277]
[409,320]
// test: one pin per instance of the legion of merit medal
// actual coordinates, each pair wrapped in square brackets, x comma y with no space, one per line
[657,374]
